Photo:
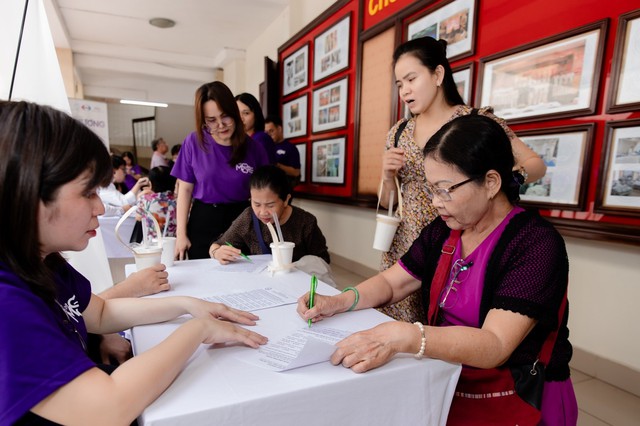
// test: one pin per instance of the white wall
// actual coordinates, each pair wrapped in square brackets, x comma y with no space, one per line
[604,277]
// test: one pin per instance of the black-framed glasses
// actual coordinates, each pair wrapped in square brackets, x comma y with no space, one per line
[444,193]
[449,294]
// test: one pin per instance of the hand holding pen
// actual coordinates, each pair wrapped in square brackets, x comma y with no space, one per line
[226,255]
[312,294]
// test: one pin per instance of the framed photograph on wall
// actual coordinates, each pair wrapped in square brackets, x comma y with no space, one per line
[331,50]
[463,77]
[551,78]
[566,153]
[302,149]
[453,21]
[295,70]
[294,117]
[327,161]
[619,186]
[625,70]
[330,106]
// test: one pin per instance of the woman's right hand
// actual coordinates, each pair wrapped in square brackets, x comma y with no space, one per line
[323,307]
[217,331]
[392,161]
[182,245]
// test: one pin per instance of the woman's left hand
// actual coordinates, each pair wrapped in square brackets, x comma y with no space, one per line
[203,309]
[369,349]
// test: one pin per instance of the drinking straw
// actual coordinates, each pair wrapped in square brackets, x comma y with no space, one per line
[391,194]
[277,222]
[145,233]
[274,237]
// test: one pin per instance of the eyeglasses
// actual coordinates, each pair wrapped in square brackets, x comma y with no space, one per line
[444,193]
[214,123]
[449,294]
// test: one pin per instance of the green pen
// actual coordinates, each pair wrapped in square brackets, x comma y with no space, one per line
[312,294]
[244,256]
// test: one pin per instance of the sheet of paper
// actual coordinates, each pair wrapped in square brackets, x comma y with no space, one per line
[257,265]
[253,300]
[303,347]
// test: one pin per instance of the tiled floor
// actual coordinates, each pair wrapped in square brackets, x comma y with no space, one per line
[600,403]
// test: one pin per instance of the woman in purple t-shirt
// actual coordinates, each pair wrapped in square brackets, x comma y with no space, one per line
[213,170]
[494,304]
[50,204]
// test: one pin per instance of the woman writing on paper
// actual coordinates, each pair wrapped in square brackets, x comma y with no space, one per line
[426,87]
[249,233]
[497,297]
[46,306]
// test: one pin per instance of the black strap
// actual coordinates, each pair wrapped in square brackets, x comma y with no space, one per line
[256,227]
[474,111]
[399,132]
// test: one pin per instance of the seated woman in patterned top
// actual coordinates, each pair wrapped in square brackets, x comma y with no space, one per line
[270,193]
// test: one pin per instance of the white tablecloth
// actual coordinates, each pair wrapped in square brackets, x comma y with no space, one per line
[113,247]
[217,388]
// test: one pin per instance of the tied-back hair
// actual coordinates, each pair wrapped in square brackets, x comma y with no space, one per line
[431,53]
[161,179]
[249,100]
[273,178]
[218,92]
[475,144]
[43,149]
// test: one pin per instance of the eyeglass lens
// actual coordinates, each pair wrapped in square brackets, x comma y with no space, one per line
[449,294]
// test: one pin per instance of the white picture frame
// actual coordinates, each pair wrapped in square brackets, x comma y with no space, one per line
[453,22]
[327,161]
[330,106]
[332,49]
[302,149]
[295,71]
[294,117]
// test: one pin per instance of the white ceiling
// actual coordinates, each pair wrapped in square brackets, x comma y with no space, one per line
[117,54]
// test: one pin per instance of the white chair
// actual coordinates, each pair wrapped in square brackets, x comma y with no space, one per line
[93,263]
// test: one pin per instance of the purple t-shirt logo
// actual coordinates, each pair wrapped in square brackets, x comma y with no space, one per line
[244,168]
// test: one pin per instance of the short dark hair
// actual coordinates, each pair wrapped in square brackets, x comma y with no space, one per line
[273,178]
[161,179]
[155,143]
[219,93]
[249,100]
[117,162]
[43,149]
[431,53]
[176,149]
[275,119]
[475,144]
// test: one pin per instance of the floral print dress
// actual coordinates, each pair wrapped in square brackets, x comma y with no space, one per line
[162,205]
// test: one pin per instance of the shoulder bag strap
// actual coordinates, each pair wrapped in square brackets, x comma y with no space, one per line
[399,132]
[547,347]
[441,275]
[256,227]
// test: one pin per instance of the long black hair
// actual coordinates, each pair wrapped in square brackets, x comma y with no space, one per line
[249,100]
[42,150]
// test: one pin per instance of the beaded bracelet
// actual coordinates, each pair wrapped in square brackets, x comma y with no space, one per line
[355,290]
[423,341]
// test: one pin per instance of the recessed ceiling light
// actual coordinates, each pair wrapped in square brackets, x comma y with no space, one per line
[162,22]
[144,103]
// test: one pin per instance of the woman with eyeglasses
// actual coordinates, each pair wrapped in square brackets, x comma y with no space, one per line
[50,204]
[427,89]
[213,169]
[493,296]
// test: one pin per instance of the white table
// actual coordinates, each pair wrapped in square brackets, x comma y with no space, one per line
[217,388]
[112,246]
